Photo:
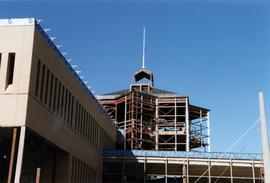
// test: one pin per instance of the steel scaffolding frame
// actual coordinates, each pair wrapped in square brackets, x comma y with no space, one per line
[149,122]
[199,128]
[171,126]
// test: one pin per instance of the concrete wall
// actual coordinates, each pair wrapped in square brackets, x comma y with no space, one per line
[20,107]
[43,121]
[13,99]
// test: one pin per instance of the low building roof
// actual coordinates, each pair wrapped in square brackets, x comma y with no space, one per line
[154,91]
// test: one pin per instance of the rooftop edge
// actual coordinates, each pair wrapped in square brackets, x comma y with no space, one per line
[17,22]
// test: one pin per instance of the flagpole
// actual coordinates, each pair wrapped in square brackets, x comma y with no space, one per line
[265,139]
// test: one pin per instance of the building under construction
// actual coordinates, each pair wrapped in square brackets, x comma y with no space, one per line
[163,138]
[154,119]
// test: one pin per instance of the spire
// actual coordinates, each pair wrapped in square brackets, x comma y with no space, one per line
[143,73]
[143,55]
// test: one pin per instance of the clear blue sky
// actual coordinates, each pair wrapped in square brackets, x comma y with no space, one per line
[216,52]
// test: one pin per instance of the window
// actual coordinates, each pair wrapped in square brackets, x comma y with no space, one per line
[76,116]
[10,71]
[55,94]
[59,98]
[66,105]
[80,119]
[62,102]
[71,113]
[47,86]
[83,122]
[69,109]
[42,82]
[91,130]
[51,91]
[37,81]
[87,127]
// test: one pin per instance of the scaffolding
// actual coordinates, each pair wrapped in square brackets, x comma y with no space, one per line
[162,122]
[166,139]
[172,127]
[138,124]
[199,128]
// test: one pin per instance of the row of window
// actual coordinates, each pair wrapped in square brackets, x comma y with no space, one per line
[53,94]
[81,172]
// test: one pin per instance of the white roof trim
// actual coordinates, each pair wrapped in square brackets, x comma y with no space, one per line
[100,97]
[17,22]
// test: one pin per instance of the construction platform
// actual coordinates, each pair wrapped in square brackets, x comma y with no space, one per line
[188,167]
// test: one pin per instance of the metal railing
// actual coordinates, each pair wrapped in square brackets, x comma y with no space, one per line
[182,154]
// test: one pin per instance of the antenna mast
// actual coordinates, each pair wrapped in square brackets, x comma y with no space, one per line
[143,56]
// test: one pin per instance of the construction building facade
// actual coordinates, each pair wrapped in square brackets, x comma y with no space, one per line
[163,138]
[52,128]
[154,119]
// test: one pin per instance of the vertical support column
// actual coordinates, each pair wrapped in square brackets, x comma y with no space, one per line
[187,170]
[209,132]
[231,170]
[12,153]
[115,114]
[70,166]
[38,175]
[20,155]
[144,170]
[209,170]
[101,170]
[187,127]
[175,124]
[253,172]
[156,116]
[141,118]
[132,120]
[157,136]
[123,170]
[184,170]
[166,169]
[201,131]
[125,125]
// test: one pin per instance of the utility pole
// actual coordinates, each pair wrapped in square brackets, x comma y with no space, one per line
[265,139]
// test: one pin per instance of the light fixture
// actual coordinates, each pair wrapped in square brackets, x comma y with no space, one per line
[39,21]
[46,30]
[52,38]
